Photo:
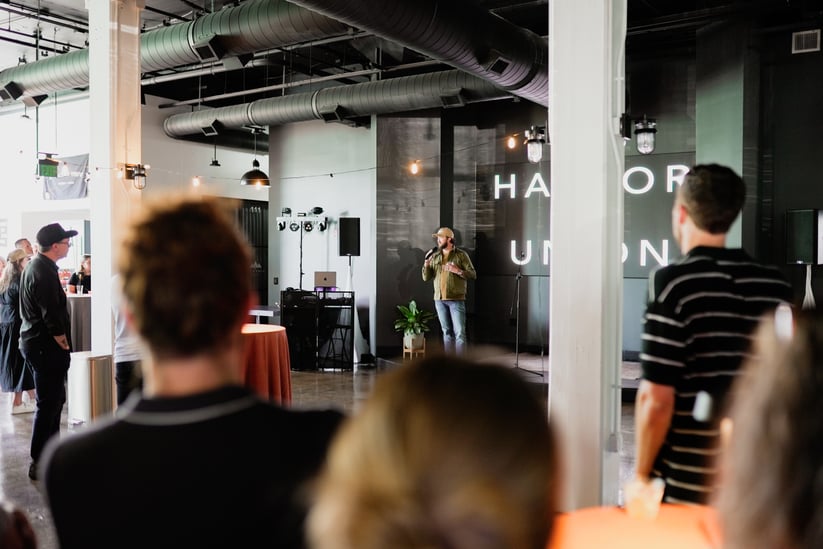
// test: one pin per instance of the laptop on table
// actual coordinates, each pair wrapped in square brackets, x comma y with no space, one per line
[325,280]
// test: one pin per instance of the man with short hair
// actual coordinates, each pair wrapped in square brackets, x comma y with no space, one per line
[45,334]
[451,269]
[197,459]
[700,315]
[25,245]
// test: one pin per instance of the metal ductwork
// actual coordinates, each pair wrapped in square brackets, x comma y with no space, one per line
[340,103]
[461,34]
[252,26]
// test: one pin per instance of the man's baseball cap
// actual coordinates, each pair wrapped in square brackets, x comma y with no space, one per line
[443,231]
[53,232]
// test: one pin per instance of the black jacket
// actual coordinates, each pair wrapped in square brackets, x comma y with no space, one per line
[43,306]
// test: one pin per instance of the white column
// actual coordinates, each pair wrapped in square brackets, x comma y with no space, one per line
[114,98]
[586,91]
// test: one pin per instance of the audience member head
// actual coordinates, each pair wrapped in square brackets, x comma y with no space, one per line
[771,493]
[16,531]
[186,273]
[446,453]
[713,195]
[54,241]
[85,265]
[16,262]
[25,245]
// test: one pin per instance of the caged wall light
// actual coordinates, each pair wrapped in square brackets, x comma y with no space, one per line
[535,139]
[644,132]
[137,174]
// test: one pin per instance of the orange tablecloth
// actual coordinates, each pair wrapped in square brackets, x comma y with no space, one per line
[676,527]
[267,365]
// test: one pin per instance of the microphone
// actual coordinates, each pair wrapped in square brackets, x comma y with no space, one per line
[431,252]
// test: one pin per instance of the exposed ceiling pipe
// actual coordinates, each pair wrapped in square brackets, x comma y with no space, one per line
[308,81]
[492,48]
[259,60]
[273,87]
[252,26]
[339,103]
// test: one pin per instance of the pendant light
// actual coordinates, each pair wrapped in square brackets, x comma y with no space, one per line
[255,176]
[214,162]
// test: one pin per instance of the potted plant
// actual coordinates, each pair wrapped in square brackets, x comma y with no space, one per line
[413,322]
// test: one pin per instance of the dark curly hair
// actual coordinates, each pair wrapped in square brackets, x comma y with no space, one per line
[186,272]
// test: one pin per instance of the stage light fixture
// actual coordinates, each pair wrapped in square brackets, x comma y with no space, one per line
[294,226]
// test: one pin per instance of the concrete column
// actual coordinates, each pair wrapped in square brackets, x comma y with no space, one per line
[114,96]
[586,98]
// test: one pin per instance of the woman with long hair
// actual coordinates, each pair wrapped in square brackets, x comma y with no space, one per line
[770,493]
[80,282]
[445,454]
[15,375]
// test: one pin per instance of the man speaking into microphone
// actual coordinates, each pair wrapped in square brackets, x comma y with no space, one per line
[451,268]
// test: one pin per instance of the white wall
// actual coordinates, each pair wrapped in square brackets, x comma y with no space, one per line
[174,162]
[63,130]
[302,157]
[334,167]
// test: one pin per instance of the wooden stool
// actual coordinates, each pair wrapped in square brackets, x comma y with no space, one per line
[411,353]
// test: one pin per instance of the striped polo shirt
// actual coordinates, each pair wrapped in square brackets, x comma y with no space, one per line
[699,322]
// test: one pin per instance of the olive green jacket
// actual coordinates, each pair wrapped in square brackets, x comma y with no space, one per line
[448,285]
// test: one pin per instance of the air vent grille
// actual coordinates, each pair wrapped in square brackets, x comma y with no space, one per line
[806,41]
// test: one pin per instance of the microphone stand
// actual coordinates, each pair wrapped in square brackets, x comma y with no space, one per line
[516,303]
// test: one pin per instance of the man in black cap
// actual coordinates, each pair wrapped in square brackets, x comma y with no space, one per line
[45,334]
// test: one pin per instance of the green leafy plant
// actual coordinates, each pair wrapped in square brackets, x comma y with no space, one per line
[413,320]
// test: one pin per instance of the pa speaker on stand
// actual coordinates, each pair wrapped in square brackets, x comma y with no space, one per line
[349,236]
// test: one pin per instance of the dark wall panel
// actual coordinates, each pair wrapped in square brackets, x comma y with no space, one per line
[792,113]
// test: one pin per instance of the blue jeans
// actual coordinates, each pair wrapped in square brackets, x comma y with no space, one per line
[452,316]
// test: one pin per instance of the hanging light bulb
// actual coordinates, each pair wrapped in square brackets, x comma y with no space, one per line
[414,167]
[511,142]
[195,181]
[255,176]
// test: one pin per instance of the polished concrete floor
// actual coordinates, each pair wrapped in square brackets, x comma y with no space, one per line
[344,390]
